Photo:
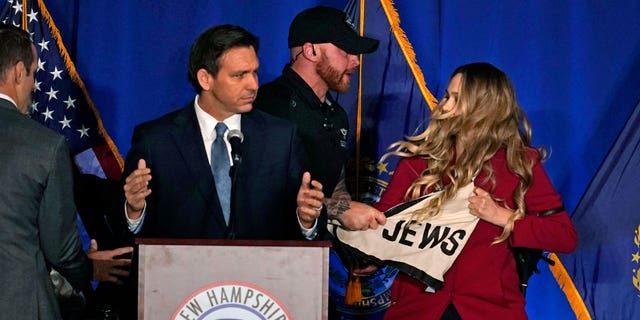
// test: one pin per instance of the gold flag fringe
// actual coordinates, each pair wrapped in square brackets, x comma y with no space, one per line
[569,288]
[353,293]
[73,74]
[407,50]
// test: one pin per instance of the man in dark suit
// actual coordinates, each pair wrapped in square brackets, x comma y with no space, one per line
[183,200]
[37,214]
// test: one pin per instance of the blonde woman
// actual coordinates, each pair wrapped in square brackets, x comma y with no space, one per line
[478,134]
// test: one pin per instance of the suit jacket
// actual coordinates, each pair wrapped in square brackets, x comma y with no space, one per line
[184,202]
[37,218]
[482,283]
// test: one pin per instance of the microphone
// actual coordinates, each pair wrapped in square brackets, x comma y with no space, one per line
[235,138]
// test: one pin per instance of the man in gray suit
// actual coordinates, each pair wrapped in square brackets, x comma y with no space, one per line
[37,214]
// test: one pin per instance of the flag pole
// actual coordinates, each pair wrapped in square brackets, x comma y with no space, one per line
[25,24]
[359,108]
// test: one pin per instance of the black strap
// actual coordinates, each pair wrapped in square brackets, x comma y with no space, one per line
[527,259]
[550,212]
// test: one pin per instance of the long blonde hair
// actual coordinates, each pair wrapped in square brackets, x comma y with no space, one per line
[487,119]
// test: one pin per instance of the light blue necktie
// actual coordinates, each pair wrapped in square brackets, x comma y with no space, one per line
[220,167]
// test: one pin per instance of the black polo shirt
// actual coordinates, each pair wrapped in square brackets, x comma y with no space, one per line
[323,127]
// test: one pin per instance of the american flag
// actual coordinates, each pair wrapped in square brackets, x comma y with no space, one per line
[60,99]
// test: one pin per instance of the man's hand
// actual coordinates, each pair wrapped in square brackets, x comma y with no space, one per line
[309,200]
[105,267]
[360,216]
[136,189]
[352,215]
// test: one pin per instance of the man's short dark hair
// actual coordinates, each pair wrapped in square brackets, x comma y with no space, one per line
[212,44]
[15,47]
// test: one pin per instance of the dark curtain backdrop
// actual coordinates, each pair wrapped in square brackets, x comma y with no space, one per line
[575,66]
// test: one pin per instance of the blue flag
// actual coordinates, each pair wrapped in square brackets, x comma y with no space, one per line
[391,101]
[60,100]
[392,98]
[605,268]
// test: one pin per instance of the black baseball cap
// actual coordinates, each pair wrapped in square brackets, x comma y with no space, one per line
[325,24]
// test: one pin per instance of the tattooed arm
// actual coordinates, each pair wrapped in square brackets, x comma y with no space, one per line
[351,214]
[339,201]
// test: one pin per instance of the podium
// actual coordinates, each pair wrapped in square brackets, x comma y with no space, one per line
[232,279]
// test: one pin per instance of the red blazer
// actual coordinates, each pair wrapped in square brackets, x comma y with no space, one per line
[482,283]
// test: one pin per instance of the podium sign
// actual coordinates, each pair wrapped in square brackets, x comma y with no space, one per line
[232,279]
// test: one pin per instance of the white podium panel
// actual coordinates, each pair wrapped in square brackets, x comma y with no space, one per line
[232,279]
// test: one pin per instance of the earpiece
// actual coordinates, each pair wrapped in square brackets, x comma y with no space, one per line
[313,50]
